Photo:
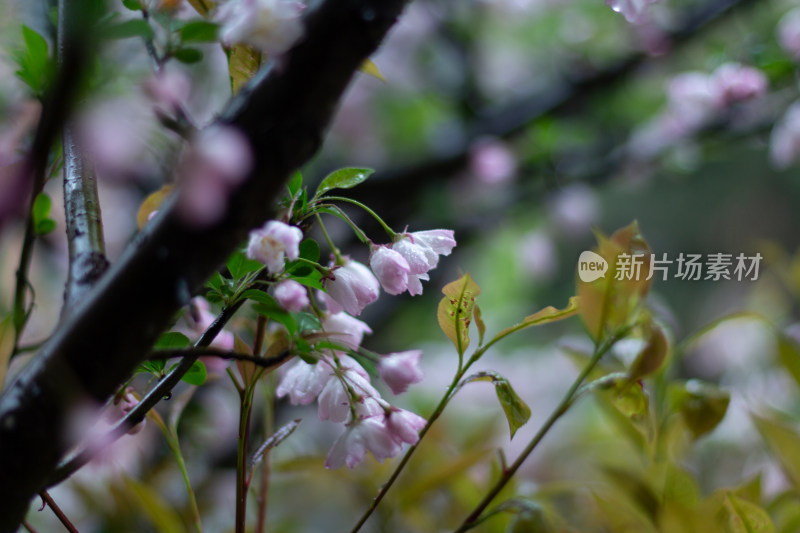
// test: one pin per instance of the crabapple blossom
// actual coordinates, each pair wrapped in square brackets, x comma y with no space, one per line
[784,143]
[491,161]
[168,89]
[734,83]
[404,425]
[273,242]
[352,285]
[422,249]
[390,268]
[362,435]
[632,10]
[271,26]
[303,382]
[291,295]
[343,328]
[217,161]
[789,33]
[401,369]
[335,397]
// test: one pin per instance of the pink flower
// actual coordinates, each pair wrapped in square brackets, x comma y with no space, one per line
[404,425]
[735,83]
[401,369]
[124,404]
[632,10]
[353,286]
[168,89]
[789,33]
[369,434]
[491,161]
[334,400]
[303,382]
[390,268]
[274,242]
[291,295]
[345,329]
[422,249]
[272,26]
[784,143]
[693,97]
[217,161]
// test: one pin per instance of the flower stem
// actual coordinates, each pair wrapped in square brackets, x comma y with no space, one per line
[175,447]
[245,408]
[563,407]
[58,512]
[334,250]
[374,215]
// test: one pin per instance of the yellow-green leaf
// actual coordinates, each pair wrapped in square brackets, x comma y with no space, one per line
[369,67]
[455,310]
[476,313]
[702,405]
[247,369]
[545,316]
[204,7]
[651,357]
[6,346]
[742,516]
[784,442]
[243,62]
[517,411]
[151,204]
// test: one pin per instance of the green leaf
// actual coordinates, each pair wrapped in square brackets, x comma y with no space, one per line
[784,441]
[651,357]
[313,279]
[306,321]
[196,375]
[41,207]
[702,405]
[129,28]
[261,297]
[345,178]
[277,314]
[172,340]
[309,249]
[200,31]
[295,183]
[455,311]
[243,62]
[153,366]
[239,265]
[516,411]
[188,55]
[133,5]
[43,227]
[34,66]
[744,516]
[545,316]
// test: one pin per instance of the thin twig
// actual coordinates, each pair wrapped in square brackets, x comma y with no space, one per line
[264,362]
[58,512]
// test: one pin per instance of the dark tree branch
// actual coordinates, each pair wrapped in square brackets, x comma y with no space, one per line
[263,362]
[284,113]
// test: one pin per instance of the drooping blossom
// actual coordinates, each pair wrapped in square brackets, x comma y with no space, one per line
[789,33]
[271,26]
[784,142]
[404,426]
[352,285]
[390,268]
[345,329]
[401,369]
[218,160]
[335,397]
[303,382]
[291,295]
[421,249]
[632,10]
[274,242]
[362,435]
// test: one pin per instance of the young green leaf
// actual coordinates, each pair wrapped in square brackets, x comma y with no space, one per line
[455,311]
[295,183]
[41,207]
[651,357]
[239,265]
[345,178]
[702,405]
[744,516]
[199,31]
[43,227]
[545,316]
[133,5]
[517,411]
[277,314]
[172,340]
[784,441]
[188,55]
[129,28]
[34,65]
[196,375]
[309,249]
[261,297]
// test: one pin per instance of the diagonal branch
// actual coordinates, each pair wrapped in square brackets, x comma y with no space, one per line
[284,113]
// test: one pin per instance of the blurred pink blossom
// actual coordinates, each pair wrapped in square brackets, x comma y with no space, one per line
[784,143]
[491,161]
[168,89]
[194,322]
[218,160]
[352,285]
[735,82]
[291,295]
[401,369]
[124,404]
[390,268]
[271,26]
[574,209]
[632,10]
[537,255]
[274,242]
[343,328]
[369,434]
[789,33]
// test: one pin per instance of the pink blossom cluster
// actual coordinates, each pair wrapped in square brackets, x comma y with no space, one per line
[343,392]
[271,26]
[784,143]
[789,33]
